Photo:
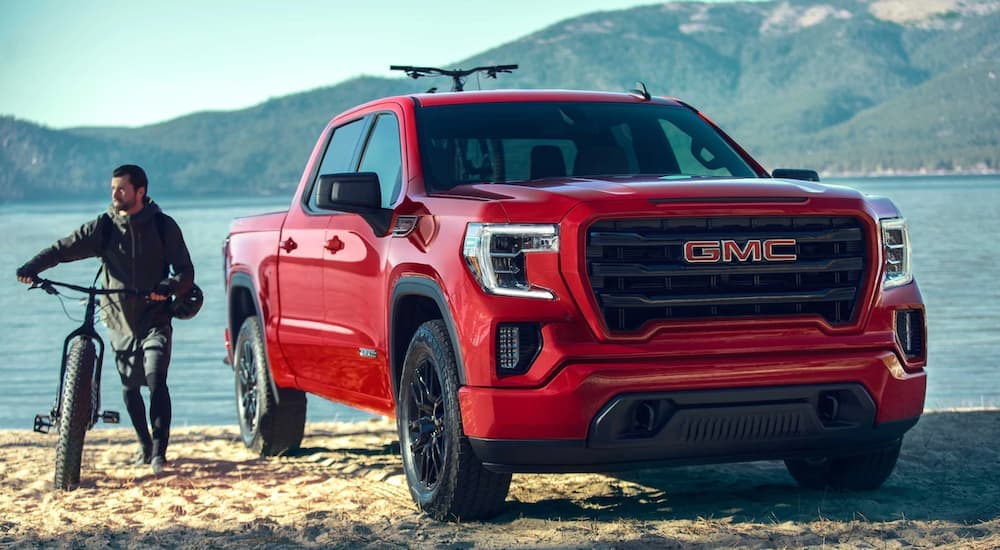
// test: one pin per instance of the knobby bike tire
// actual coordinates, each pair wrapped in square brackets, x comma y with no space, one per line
[75,413]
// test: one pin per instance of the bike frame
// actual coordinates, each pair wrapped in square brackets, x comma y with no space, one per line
[86,330]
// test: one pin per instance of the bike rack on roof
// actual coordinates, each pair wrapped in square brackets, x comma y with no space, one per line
[457,75]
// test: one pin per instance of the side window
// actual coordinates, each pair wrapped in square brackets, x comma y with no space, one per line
[382,155]
[339,152]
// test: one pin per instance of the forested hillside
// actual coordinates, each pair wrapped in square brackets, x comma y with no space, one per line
[843,86]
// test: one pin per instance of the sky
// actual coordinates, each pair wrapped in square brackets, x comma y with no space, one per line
[127,63]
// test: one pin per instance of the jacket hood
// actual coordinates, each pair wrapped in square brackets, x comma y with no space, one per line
[149,210]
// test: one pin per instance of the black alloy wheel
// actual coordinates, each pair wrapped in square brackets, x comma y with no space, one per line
[246,389]
[426,418]
[445,477]
[271,422]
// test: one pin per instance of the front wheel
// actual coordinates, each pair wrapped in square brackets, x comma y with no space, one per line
[445,477]
[864,472]
[270,424]
[75,412]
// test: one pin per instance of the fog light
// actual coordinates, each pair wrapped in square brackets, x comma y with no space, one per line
[910,332]
[517,345]
[508,343]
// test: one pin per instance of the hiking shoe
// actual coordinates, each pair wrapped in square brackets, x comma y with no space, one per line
[157,464]
[141,458]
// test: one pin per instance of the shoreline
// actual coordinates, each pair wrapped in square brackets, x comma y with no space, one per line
[280,195]
[345,488]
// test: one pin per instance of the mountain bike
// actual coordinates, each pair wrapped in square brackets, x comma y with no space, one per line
[77,407]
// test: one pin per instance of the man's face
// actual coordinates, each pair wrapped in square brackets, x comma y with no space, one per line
[124,196]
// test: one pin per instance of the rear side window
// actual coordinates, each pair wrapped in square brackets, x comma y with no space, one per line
[383,156]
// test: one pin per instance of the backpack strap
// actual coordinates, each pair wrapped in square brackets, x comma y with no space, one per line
[161,227]
[106,227]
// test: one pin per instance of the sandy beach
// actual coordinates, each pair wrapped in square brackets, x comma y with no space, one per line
[345,488]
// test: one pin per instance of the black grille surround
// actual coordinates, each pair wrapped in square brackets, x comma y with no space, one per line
[638,274]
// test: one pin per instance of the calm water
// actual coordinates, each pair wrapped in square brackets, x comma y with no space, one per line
[954,225]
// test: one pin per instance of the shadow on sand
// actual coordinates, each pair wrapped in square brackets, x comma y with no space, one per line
[947,471]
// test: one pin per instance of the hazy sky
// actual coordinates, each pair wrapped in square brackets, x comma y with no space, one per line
[127,63]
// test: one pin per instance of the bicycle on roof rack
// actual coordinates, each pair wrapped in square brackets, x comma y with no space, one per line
[457,75]
[77,407]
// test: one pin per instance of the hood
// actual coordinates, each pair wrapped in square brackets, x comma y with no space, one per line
[560,194]
[149,210]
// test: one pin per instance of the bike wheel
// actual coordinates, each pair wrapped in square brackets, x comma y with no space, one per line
[75,412]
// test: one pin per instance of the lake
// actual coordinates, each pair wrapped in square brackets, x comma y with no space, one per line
[954,224]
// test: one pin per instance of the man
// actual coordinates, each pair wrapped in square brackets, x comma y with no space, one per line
[141,248]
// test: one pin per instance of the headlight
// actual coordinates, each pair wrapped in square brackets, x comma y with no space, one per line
[495,255]
[896,250]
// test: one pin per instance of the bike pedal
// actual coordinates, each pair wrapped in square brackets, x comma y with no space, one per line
[42,423]
[110,417]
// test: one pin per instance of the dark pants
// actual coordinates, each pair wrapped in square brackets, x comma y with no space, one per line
[144,362]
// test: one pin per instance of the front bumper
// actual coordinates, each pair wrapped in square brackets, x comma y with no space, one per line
[598,416]
[705,427]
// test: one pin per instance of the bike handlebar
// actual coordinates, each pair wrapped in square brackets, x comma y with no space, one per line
[48,286]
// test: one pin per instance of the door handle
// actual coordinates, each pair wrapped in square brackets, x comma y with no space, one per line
[334,244]
[288,245]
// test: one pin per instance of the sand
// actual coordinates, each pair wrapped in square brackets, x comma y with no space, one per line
[346,489]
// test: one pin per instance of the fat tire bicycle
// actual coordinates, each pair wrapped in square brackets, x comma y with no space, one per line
[77,407]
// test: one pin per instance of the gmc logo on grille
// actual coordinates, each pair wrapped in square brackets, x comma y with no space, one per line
[728,250]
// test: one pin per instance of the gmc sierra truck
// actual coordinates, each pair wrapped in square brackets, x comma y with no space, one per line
[551,281]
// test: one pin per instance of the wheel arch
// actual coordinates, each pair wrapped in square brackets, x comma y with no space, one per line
[242,302]
[414,301]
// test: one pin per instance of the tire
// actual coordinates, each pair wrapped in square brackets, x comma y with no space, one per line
[270,424]
[865,472]
[446,479]
[75,415]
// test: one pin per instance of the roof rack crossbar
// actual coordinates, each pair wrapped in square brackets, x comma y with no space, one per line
[457,75]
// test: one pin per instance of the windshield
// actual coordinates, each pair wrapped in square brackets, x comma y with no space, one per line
[516,142]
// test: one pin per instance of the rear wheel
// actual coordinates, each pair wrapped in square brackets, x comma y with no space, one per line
[269,424]
[445,477]
[75,414]
[864,472]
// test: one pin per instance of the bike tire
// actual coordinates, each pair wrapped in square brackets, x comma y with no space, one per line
[75,413]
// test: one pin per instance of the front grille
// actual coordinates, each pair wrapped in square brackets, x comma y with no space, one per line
[638,273]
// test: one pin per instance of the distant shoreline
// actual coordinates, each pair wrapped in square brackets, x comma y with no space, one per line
[283,196]
[907,174]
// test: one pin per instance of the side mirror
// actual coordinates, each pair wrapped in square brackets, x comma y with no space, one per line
[349,192]
[795,174]
[356,192]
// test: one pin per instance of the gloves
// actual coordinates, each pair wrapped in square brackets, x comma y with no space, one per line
[26,275]
[163,289]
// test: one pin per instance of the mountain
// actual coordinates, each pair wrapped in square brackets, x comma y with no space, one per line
[843,86]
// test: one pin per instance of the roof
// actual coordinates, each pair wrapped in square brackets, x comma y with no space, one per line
[506,96]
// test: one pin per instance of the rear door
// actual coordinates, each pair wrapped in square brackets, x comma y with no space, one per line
[354,280]
[303,332]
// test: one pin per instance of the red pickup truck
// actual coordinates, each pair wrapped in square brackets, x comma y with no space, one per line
[547,281]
